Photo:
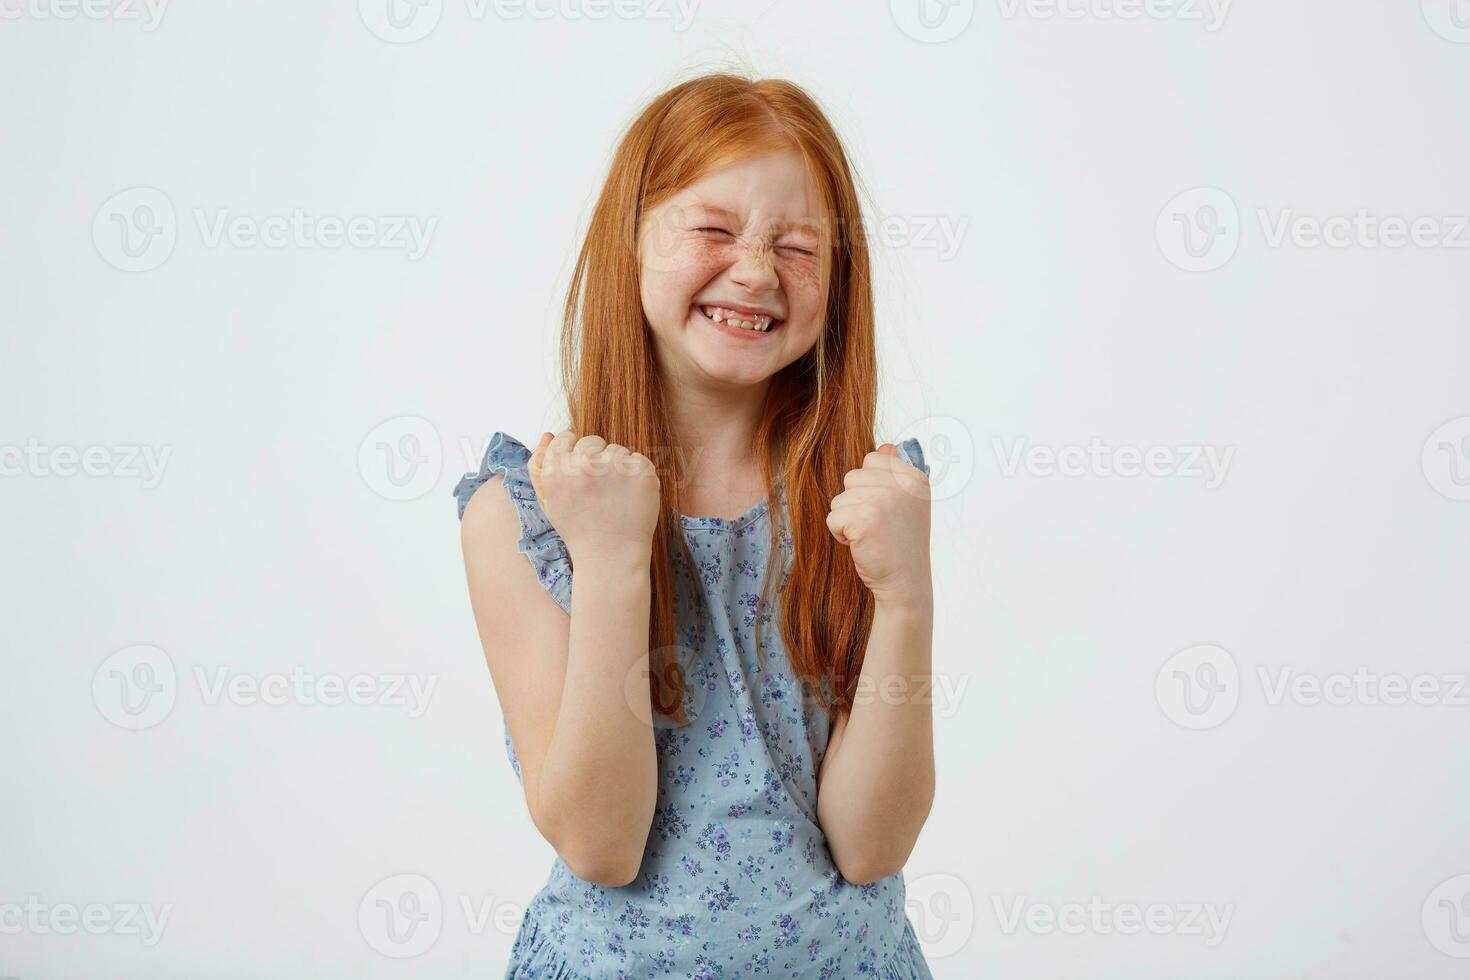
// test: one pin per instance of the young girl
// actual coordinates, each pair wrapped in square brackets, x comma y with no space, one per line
[722,735]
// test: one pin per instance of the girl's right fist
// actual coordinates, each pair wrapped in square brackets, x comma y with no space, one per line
[602,499]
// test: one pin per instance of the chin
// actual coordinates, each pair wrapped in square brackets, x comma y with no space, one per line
[721,371]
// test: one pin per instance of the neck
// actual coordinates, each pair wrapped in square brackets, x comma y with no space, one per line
[715,432]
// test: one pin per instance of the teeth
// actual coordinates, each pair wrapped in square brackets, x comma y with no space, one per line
[721,315]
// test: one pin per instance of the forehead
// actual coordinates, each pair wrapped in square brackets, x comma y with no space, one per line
[770,189]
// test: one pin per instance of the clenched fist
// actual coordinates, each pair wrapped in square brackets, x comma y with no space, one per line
[602,499]
[883,518]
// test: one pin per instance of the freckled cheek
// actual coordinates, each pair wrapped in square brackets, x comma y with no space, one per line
[802,283]
[802,275]
[704,260]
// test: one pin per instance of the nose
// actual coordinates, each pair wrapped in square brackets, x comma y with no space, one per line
[753,268]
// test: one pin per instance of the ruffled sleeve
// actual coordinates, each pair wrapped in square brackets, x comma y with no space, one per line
[913,453]
[539,541]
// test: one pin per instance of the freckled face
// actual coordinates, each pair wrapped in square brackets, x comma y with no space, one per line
[745,234]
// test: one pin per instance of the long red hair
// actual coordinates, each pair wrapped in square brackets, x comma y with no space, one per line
[819,414]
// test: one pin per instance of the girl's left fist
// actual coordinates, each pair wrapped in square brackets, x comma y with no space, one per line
[883,518]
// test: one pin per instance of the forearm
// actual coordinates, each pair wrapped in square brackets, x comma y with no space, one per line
[877,790]
[599,778]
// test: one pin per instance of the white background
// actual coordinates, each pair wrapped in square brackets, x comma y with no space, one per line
[1332,834]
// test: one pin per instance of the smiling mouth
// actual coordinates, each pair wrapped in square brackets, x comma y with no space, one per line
[733,320]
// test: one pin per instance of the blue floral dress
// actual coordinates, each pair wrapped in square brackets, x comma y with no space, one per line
[736,879]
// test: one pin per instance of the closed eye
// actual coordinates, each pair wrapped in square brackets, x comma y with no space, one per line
[789,249]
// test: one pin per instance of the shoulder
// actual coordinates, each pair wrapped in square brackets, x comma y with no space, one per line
[506,456]
[495,527]
[487,518]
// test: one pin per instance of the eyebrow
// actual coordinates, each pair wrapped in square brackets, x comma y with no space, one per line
[780,227]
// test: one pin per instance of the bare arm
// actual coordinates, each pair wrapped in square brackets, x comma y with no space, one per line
[876,781]
[875,785]
[581,731]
